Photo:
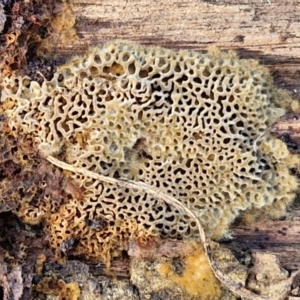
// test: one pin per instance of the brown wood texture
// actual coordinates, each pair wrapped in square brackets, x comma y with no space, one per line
[287,128]
[268,30]
[278,237]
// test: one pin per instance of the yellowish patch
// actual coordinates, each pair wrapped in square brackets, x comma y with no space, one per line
[63,23]
[70,291]
[197,278]
[52,286]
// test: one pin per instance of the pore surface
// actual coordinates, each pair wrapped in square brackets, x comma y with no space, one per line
[183,122]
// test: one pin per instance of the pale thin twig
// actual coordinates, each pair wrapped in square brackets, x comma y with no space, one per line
[258,138]
[234,287]
[269,1]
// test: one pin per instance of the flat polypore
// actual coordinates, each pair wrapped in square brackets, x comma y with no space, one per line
[191,125]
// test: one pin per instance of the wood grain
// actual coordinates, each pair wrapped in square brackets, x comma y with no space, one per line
[287,128]
[278,237]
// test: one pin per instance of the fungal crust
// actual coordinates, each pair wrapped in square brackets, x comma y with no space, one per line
[190,125]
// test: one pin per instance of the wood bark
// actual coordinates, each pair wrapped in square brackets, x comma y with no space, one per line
[278,237]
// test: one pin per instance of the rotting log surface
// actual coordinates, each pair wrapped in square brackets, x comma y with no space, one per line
[287,128]
[281,238]
[278,237]
[254,28]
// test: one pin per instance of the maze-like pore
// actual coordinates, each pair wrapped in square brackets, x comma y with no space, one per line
[190,125]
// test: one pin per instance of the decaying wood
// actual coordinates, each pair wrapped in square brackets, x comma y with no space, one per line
[157,249]
[278,237]
[287,129]
[119,268]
